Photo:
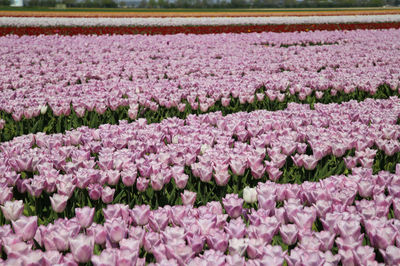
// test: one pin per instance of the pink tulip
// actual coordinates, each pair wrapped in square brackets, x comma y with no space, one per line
[157,181]
[188,197]
[113,177]
[301,148]
[222,176]
[350,162]
[85,216]
[196,242]
[233,205]
[52,257]
[319,94]
[257,168]
[131,245]
[326,240]
[107,257]
[263,231]
[140,214]
[158,220]
[235,259]
[65,188]
[255,248]
[266,202]
[288,233]
[126,257]
[116,211]
[237,246]
[236,228]
[273,254]
[25,227]
[238,166]
[151,240]
[218,241]
[303,220]
[81,248]
[116,229]
[205,172]
[181,253]
[98,232]
[58,202]
[391,255]
[396,208]
[348,243]
[56,239]
[351,229]
[142,184]
[12,210]
[159,252]
[181,180]
[384,237]
[129,177]
[347,257]
[107,195]
[364,255]
[323,207]
[309,162]
[274,173]
[5,194]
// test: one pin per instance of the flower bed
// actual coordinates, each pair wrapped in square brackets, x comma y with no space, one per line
[65,182]
[192,21]
[225,149]
[326,222]
[165,76]
[29,30]
[226,153]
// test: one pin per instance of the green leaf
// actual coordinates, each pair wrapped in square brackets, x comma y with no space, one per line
[150,193]
[118,198]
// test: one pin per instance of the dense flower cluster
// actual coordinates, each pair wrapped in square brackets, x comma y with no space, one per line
[213,146]
[184,21]
[105,72]
[314,218]
[166,30]
[308,184]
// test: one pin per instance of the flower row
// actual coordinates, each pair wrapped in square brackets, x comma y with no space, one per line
[323,223]
[187,72]
[185,21]
[166,30]
[45,120]
[211,149]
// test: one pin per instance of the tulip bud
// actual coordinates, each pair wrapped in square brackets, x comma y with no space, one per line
[250,195]
[2,123]
[43,109]
[58,202]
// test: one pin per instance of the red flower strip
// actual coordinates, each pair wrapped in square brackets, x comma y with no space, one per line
[151,30]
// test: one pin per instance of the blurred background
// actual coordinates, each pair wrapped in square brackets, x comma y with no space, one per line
[199,4]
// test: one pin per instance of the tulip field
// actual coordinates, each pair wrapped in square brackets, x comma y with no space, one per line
[264,140]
